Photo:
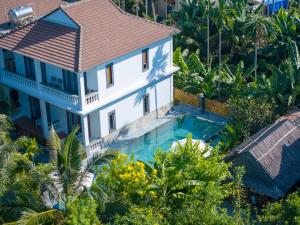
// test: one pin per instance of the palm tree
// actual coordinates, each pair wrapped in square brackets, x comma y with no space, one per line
[257,25]
[222,20]
[208,27]
[67,157]
[6,126]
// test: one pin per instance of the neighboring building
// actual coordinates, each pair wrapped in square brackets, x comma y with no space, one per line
[88,64]
[271,158]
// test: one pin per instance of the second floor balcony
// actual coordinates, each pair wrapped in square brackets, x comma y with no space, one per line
[50,92]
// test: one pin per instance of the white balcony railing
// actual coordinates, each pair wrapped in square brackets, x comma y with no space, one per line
[20,82]
[73,99]
[91,97]
[95,145]
[15,78]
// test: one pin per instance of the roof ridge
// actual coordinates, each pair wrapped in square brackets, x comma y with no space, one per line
[80,37]
[80,49]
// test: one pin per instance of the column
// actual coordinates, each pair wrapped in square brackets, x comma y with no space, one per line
[37,70]
[2,64]
[81,90]
[44,119]
[85,130]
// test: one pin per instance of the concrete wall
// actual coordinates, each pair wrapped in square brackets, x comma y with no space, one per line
[130,108]
[127,70]
[20,64]
[61,115]
[52,71]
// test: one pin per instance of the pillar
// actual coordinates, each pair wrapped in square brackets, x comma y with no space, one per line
[85,130]
[2,64]
[44,119]
[81,90]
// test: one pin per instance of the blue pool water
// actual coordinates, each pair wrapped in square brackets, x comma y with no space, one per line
[163,136]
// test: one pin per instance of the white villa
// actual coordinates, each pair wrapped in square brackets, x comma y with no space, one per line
[88,64]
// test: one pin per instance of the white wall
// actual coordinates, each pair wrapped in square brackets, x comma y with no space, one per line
[95,125]
[92,79]
[53,71]
[20,64]
[130,108]
[61,115]
[128,71]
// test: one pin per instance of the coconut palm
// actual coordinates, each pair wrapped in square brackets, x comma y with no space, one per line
[257,27]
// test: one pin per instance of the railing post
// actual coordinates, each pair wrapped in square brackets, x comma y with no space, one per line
[81,90]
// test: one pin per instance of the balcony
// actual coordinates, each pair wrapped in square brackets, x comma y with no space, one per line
[46,92]
[91,98]
[18,81]
[73,100]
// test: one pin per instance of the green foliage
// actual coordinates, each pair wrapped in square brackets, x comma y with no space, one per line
[179,187]
[251,113]
[68,155]
[81,210]
[286,211]
[140,216]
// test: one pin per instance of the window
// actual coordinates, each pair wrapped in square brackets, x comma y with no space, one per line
[109,75]
[29,68]
[43,72]
[146,104]
[145,59]
[9,61]
[73,121]
[35,110]
[112,121]
[70,82]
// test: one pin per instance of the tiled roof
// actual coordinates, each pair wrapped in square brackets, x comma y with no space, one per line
[41,7]
[46,41]
[105,33]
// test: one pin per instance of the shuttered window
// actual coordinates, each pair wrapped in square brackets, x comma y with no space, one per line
[145,56]
[109,75]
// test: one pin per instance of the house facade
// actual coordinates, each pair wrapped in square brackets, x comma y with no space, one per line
[89,65]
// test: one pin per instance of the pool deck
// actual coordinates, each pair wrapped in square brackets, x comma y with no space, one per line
[148,126]
[176,111]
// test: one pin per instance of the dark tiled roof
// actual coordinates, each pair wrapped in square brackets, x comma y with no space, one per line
[105,33]
[41,7]
[271,158]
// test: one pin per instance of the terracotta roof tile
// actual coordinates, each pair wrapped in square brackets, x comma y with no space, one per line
[41,7]
[105,33]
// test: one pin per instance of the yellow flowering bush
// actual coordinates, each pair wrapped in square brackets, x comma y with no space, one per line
[123,178]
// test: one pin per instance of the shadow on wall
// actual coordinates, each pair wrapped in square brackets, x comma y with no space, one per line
[159,64]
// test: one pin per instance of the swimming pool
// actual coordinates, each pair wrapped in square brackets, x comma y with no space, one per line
[163,136]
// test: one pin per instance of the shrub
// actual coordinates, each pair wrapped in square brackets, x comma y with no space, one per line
[251,113]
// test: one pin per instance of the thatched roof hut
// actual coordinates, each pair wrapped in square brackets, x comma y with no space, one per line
[271,158]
